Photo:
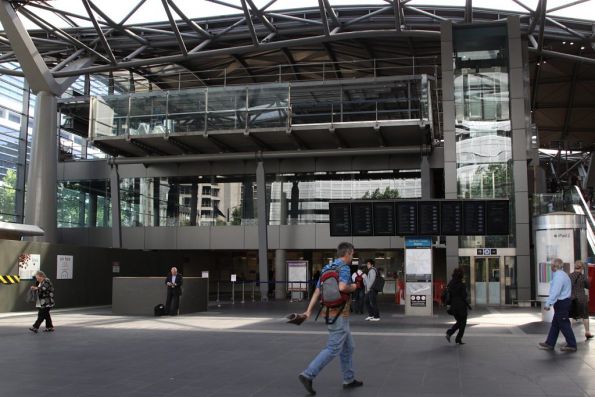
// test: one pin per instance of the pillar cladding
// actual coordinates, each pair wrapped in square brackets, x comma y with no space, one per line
[40,203]
[281,255]
[263,262]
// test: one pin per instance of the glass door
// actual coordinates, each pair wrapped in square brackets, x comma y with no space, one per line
[487,281]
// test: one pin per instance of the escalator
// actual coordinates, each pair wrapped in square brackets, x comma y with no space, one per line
[575,199]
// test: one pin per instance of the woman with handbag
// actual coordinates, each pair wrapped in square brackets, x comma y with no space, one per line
[579,308]
[45,302]
[457,297]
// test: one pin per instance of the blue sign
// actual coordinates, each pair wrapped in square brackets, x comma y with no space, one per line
[418,242]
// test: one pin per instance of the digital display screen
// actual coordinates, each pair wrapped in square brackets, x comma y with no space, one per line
[497,217]
[452,218]
[429,217]
[406,218]
[361,219]
[340,219]
[384,219]
[474,221]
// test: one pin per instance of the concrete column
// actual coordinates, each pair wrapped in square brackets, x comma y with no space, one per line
[193,203]
[115,199]
[520,123]
[82,206]
[450,148]
[427,182]
[247,199]
[263,266]
[156,201]
[280,255]
[295,202]
[41,195]
[92,208]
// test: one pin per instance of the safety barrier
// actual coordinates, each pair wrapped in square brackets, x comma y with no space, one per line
[9,279]
[249,290]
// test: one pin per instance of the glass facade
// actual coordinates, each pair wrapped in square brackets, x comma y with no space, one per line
[483,128]
[304,198]
[84,204]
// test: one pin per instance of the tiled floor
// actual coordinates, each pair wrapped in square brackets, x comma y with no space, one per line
[248,350]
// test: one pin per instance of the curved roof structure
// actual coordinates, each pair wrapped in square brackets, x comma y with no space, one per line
[255,44]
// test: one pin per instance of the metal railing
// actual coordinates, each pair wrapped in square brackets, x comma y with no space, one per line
[243,291]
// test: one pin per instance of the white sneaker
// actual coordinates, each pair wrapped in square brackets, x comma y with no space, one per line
[369,318]
[375,319]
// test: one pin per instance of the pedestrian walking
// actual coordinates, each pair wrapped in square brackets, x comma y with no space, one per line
[560,299]
[334,283]
[457,300]
[44,302]
[580,300]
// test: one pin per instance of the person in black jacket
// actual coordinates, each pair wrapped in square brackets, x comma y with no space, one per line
[458,305]
[174,290]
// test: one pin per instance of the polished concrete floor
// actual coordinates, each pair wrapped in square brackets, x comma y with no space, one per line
[248,350]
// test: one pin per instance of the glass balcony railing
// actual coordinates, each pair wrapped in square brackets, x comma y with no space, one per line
[267,106]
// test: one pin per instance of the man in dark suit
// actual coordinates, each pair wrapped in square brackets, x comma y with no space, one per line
[174,290]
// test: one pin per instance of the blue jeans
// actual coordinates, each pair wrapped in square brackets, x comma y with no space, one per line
[561,322]
[340,343]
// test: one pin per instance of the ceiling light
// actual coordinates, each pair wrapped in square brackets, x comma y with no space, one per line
[571,43]
[582,47]
[563,42]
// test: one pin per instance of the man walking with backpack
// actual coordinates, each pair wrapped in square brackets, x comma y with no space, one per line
[332,290]
[372,282]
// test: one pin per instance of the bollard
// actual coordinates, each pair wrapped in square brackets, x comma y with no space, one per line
[233,294]
[243,283]
[218,301]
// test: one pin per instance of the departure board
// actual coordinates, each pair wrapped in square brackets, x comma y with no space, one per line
[384,219]
[361,219]
[497,217]
[451,218]
[406,218]
[474,221]
[340,219]
[429,217]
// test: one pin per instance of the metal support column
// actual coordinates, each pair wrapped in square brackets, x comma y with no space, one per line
[116,223]
[156,200]
[280,255]
[263,262]
[40,203]
[193,203]
[22,156]
[426,179]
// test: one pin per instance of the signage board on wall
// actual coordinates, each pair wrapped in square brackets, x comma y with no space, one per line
[64,267]
[297,275]
[549,245]
[29,264]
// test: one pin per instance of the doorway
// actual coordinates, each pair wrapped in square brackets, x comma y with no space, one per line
[486,285]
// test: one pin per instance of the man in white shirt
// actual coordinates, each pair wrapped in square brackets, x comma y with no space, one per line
[174,290]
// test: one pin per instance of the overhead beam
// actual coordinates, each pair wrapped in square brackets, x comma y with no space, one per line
[570,104]
[572,3]
[193,25]
[187,149]
[249,23]
[36,71]
[262,17]
[468,11]
[223,147]
[259,142]
[299,142]
[148,149]
[100,34]
[174,28]
[332,13]
[323,18]
[397,11]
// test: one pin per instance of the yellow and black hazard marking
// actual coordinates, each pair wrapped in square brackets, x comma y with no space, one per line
[9,279]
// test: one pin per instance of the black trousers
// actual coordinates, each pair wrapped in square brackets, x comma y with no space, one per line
[359,296]
[372,303]
[172,304]
[460,325]
[43,314]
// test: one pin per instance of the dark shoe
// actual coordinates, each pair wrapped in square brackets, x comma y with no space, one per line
[34,330]
[588,336]
[545,346]
[49,329]
[568,349]
[447,336]
[307,384]
[460,342]
[353,384]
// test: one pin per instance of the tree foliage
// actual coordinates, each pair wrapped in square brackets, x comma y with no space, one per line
[388,193]
[8,196]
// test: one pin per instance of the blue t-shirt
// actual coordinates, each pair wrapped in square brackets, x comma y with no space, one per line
[344,271]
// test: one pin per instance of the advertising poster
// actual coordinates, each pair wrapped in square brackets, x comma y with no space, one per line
[29,264]
[549,245]
[64,270]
